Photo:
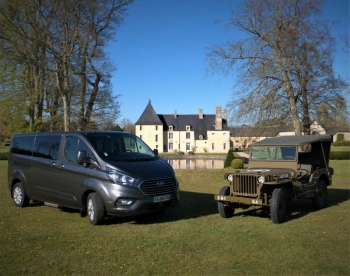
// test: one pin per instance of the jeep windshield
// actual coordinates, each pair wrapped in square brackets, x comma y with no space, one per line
[277,153]
[120,146]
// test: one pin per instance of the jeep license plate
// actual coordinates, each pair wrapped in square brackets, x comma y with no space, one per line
[161,198]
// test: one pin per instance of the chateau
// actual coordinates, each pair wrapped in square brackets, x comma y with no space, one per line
[209,132]
[175,132]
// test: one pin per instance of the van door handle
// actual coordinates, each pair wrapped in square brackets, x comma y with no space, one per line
[62,166]
[53,164]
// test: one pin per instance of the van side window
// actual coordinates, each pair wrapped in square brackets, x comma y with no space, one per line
[47,146]
[22,145]
[72,146]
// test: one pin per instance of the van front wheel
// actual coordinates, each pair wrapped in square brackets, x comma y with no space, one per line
[19,196]
[95,209]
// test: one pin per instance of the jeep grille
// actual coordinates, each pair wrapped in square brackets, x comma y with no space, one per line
[244,185]
[158,186]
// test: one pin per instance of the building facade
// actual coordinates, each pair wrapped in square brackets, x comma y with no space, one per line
[175,132]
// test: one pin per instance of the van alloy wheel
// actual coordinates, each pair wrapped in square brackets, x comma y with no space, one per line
[19,196]
[95,209]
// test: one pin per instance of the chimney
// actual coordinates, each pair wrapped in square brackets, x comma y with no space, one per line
[225,114]
[200,113]
[218,119]
[175,115]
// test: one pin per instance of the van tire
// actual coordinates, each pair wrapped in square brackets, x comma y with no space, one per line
[19,196]
[278,206]
[95,209]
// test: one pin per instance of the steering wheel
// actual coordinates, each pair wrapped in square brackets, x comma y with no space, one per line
[288,157]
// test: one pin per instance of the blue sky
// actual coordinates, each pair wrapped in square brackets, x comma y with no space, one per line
[160,55]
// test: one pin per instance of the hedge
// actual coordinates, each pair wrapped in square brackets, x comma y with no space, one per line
[4,155]
[339,155]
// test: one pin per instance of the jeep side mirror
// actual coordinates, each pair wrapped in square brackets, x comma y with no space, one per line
[155,151]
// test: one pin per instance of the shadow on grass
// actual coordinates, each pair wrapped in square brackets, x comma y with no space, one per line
[194,205]
[298,208]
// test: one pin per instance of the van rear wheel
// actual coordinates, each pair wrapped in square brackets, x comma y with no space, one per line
[19,196]
[95,209]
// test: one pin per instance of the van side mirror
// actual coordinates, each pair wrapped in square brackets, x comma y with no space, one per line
[82,158]
[155,151]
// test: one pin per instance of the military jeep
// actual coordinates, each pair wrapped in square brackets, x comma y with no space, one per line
[280,169]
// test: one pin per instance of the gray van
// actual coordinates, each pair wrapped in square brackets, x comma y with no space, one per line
[100,173]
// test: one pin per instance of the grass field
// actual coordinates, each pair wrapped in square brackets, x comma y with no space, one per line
[189,240]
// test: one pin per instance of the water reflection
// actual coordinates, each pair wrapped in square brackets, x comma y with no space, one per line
[189,164]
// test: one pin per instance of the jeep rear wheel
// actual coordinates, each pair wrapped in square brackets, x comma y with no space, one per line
[320,199]
[278,206]
[225,209]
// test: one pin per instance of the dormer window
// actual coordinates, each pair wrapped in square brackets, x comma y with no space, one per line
[171,128]
[200,136]
[188,128]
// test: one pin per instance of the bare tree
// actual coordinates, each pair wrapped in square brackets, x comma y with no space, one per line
[58,48]
[284,61]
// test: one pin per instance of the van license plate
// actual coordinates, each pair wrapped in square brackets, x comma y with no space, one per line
[161,198]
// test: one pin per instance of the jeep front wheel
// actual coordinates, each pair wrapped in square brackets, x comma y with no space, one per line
[320,199]
[278,206]
[225,209]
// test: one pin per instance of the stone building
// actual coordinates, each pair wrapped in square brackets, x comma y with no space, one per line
[176,132]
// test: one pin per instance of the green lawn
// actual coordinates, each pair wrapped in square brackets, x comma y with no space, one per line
[189,240]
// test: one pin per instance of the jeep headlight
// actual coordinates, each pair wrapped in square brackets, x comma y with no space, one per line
[261,179]
[120,178]
[230,178]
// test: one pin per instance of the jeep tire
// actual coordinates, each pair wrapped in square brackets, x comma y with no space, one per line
[278,206]
[320,199]
[225,209]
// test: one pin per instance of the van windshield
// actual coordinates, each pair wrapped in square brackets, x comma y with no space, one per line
[273,153]
[120,147]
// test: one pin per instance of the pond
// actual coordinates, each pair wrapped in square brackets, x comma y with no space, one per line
[189,164]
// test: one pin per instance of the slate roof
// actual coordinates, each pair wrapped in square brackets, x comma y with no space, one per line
[335,129]
[246,131]
[149,116]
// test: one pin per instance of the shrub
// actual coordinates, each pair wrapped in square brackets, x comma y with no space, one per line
[190,153]
[180,153]
[340,140]
[229,158]
[339,155]
[4,156]
[237,164]
[205,149]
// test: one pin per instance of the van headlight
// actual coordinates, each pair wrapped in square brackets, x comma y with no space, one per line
[121,179]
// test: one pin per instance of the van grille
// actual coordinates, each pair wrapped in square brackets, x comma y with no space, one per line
[158,186]
[244,185]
